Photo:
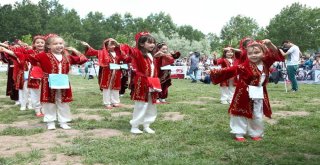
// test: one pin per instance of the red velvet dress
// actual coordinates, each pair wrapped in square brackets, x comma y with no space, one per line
[49,64]
[142,69]
[164,75]
[225,63]
[33,83]
[105,58]
[249,74]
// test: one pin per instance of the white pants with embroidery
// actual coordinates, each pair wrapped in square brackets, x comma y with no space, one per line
[253,127]
[227,93]
[52,110]
[35,99]
[144,113]
[110,97]
[24,95]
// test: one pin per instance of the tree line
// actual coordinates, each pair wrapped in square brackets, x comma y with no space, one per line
[22,20]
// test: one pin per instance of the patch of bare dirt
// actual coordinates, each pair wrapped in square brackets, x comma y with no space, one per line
[89,110]
[42,141]
[203,109]
[118,114]
[193,102]
[10,145]
[208,98]
[29,124]
[87,116]
[173,116]
[276,103]
[314,101]
[103,133]
[60,159]
[284,114]
[130,106]
[3,96]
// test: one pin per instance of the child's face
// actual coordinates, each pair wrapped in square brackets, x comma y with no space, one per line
[56,45]
[255,54]
[229,54]
[148,45]
[39,44]
[164,49]
[111,46]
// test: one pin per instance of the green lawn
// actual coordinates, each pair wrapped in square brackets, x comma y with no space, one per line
[201,137]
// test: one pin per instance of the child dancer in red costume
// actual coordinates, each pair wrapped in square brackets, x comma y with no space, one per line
[34,80]
[250,99]
[55,60]
[19,71]
[110,78]
[144,67]
[227,87]
[164,58]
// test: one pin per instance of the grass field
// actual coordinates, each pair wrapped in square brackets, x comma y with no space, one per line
[192,129]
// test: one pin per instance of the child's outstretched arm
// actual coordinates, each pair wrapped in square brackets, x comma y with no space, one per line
[273,54]
[219,75]
[9,52]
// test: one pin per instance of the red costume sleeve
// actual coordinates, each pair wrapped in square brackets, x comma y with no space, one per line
[271,56]
[91,52]
[219,75]
[77,59]
[218,61]
[165,60]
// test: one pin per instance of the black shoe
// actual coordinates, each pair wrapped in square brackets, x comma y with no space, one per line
[193,81]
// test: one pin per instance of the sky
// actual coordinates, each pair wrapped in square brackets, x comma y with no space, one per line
[208,16]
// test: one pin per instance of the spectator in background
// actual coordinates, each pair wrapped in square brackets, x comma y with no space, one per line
[293,54]
[307,65]
[193,63]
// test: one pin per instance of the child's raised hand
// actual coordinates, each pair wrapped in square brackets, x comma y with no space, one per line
[84,44]
[158,54]
[70,48]
[266,41]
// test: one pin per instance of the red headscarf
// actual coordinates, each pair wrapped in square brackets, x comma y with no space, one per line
[102,55]
[138,35]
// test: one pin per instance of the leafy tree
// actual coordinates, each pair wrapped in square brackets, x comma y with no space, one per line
[6,17]
[237,28]
[27,39]
[161,22]
[215,42]
[189,33]
[298,24]
[94,29]
[183,45]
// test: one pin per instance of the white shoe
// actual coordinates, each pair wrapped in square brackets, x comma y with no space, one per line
[158,101]
[135,130]
[224,102]
[51,126]
[30,107]
[149,130]
[17,103]
[65,126]
[163,100]
[23,108]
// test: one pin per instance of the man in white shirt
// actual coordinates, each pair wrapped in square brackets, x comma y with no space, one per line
[293,54]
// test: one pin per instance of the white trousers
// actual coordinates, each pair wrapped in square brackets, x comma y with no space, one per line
[35,99]
[110,97]
[144,113]
[52,110]
[253,127]
[24,95]
[227,93]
